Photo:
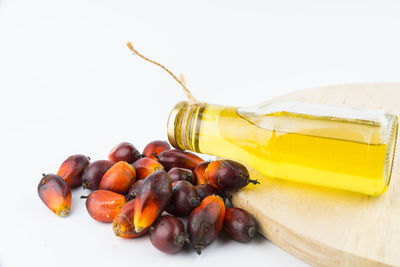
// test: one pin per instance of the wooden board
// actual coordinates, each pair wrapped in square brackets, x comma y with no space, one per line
[328,227]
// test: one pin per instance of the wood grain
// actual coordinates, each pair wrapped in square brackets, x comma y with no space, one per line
[328,227]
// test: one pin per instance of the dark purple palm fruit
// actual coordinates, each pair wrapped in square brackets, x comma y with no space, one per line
[239,224]
[184,199]
[168,234]
[93,173]
[181,174]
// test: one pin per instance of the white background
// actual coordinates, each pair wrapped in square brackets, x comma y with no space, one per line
[69,85]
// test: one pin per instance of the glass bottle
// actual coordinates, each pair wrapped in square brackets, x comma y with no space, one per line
[333,146]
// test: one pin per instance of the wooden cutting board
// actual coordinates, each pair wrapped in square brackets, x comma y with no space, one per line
[328,227]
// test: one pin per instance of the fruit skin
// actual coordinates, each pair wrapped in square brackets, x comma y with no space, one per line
[177,158]
[134,189]
[184,199]
[205,190]
[123,222]
[168,234]
[118,178]
[181,174]
[227,175]
[151,200]
[199,172]
[145,166]
[155,148]
[55,193]
[124,152]
[239,225]
[93,173]
[104,205]
[205,222]
[72,168]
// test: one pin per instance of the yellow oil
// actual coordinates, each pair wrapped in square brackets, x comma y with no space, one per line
[340,154]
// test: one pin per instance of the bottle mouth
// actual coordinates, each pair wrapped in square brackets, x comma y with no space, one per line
[173,121]
[390,138]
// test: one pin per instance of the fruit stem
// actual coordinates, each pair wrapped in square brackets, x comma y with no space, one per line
[252,231]
[84,197]
[155,155]
[254,181]
[130,196]
[181,238]
[194,202]
[85,185]
[198,249]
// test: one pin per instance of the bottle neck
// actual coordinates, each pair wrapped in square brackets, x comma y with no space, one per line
[184,125]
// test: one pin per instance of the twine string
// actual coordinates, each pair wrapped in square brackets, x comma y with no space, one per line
[180,80]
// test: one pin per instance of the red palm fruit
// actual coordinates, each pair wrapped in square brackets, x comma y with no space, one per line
[199,172]
[118,178]
[168,234]
[184,199]
[177,158]
[227,175]
[154,148]
[72,168]
[93,173]
[55,193]
[205,222]
[181,174]
[145,166]
[104,205]
[153,196]
[123,222]
[239,225]
[205,190]
[134,189]
[124,152]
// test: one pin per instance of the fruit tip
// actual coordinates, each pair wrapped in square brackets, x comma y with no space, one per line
[63,213]
[117,229]
[138,229]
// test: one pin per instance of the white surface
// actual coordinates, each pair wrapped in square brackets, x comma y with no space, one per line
[69,85]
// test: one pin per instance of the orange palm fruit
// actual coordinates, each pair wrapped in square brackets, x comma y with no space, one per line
[55,193]
[72,168]
[104,205]
[145,166]
[177,158]
[151,200]
[118,178]
[199,172]
[123,222]
[205,222]
[227,175]
[154,148]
